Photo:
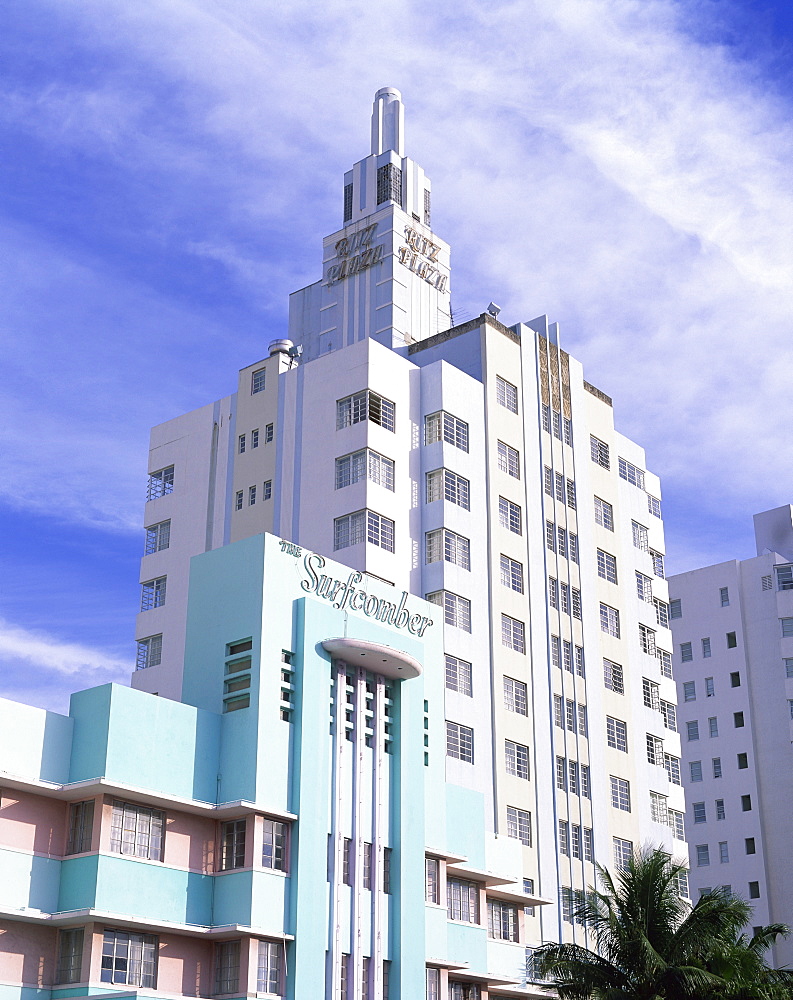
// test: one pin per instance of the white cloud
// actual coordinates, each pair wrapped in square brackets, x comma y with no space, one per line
[590,158]
[43,670]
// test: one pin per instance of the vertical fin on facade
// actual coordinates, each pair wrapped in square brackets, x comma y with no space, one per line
[388,121]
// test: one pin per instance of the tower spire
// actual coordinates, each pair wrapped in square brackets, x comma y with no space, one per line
[388,121]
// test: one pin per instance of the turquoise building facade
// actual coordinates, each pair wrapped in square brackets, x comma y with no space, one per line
[286,829]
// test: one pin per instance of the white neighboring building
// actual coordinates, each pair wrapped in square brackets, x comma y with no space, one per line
[473,465]
[733,630]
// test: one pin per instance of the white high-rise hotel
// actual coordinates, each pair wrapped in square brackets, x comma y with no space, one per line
[473,465]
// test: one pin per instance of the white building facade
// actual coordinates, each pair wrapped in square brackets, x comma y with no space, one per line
[733,630]
[473,466]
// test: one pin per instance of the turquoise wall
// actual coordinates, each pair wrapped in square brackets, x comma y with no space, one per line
[34,744]
[29,880]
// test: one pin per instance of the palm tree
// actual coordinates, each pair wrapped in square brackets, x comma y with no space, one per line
[651,944]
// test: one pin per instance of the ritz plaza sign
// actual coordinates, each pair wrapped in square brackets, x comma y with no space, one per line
[357,253]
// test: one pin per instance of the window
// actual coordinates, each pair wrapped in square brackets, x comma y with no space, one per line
[129,959]
[227,967]
[706,649]
[716,762]
[735,679]
[692,730]
[458,675]
[710,691]
[502,920]
[81,825]
[257,380]
[562,542]
[754,890]
[149,652]
[609,620]
[570,715]
[462,901]
[788,661]
[547,479]
[661,613]
[367,865]
[363,525]
[241,444]
[70,956]
[766,583]
[713,727]
[268,434]
[232,844]
[658,565]
[512,573]
[749,845]
[604,514]
[365,405]
[456,609]
[672,765]
[160,483]
[743,761]
[553,592]
[646,639]
[586,790]
[653,505]
[579,661]
[238,500]
[268,978]
[623,852]
[644,587]
[275,845]
[460,742]
[137,831]
[686,653]
[251,495]
[616,734]
[445,485]
[561,774]
[655,750]
[348,202]
[389,183]
[658,809]
[567,655]
[784,578]
[703,855]
[599,451]
[724,596]
[695,770]
[558,711]
[515,696]
[346,861]
[427,208]
[550,536]
[519,825]
[463,991]
[787,629]
[640,538]
[737,718]
[528,889]
[568,907]
[620,794]
[365,464]
[255,438]
[689,691]
[720,812]
[650,694]
[152,594]
[613,676]
[571,499]
[564,837]
[576,595]
[677,823]
[432,880]
[517,759]
[513,634]
[443,426]
[433,990]
[506,394]
[158,537]
[607,566]
[267,490]
[669,715]
[664,662]
[583,726]
[445,545]
[509,516]
[631,474]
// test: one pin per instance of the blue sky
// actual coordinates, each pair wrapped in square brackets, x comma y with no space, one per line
[170,168]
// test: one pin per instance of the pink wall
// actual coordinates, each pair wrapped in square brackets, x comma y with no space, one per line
[27,953]
[31,822]
[190,841]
